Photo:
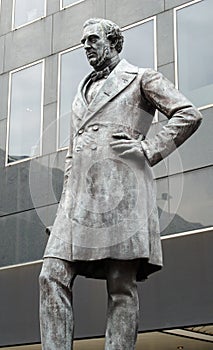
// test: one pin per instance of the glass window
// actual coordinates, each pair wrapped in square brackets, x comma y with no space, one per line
[26,11]
[139,44]
[69,2]
[195,52]
[190,197]
[25,113]
[143,55]
[74,67]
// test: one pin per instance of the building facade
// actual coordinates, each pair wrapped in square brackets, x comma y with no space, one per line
[41,64]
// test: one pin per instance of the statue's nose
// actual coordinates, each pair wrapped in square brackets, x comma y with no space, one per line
[87,45]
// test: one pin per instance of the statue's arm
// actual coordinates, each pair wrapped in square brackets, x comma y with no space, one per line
[184,118]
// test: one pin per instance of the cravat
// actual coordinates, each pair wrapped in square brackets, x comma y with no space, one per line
[96,75]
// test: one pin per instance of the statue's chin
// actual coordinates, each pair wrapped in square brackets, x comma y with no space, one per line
[97,64]
[93,62]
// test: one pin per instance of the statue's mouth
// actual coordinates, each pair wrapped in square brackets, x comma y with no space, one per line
[91,54]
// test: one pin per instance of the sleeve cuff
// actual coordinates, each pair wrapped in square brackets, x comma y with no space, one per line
[146,151]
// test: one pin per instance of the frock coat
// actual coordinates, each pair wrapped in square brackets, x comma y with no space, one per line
[108,205]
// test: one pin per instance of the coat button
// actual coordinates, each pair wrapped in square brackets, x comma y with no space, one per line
[81,131]
[78,149]
[95,127]
[93,146]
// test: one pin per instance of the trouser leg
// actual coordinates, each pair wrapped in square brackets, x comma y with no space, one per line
[56,314]
[123,305]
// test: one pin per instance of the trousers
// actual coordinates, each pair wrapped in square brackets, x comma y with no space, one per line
[56,313]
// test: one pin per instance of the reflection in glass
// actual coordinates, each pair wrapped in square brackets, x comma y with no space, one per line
[195,52]
[27,11]
[25,113]
[139,48]
[69,2]
[74,67]
[196,205]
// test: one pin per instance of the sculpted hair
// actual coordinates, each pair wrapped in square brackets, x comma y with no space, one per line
[111,29]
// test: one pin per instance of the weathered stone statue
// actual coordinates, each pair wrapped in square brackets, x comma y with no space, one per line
[107,222]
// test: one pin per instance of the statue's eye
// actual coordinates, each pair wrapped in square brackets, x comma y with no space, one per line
[93,39]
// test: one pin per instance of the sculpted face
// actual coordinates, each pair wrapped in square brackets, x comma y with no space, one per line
[97,46]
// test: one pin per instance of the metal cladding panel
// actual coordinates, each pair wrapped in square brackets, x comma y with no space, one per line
[180,295]
[19,305]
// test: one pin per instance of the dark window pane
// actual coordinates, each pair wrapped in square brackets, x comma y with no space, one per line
[190,201]
[139,45]
[23,236]
[28,11]
[25,113]
[195,52]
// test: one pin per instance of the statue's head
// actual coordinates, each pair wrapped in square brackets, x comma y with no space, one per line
[102,40]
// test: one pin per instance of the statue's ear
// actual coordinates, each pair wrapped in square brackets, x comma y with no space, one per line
[113,41]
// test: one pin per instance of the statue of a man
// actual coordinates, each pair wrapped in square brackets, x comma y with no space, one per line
[107,222]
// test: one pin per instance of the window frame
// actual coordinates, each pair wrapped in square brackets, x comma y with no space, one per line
[30,22]
[175,10]
[70,5]
[42,61]
[135,24]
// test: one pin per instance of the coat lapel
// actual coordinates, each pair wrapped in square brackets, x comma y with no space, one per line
[123,74]
[80,105]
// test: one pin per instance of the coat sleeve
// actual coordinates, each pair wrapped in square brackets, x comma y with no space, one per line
[68,163]
[68,167]
[184,118]
[67,173]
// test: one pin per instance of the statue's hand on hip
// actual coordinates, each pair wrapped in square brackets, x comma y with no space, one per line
[127,146]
